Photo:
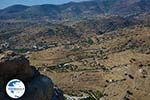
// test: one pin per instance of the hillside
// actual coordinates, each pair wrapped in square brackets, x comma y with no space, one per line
[26,34]
[73,9]
[116,65]
[19,23]
[92,50]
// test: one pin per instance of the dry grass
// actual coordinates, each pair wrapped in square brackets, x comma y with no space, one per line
[122,61]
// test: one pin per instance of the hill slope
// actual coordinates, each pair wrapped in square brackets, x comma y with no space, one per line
[73,9]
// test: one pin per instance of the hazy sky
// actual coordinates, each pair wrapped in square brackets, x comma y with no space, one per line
[6,3]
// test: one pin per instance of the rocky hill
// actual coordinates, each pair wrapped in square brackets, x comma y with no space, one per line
[26,34]
[110,66]
[26,27]
[38,86]
[73,9]
[92,50]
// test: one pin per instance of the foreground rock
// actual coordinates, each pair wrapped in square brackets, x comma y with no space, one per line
[38,87]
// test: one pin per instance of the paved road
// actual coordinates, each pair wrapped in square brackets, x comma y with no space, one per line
[74,97]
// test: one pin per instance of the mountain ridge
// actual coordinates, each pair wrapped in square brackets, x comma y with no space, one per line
[74,9]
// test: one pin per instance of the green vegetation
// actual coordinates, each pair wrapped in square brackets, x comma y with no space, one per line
[89,41]
[21,50]
[147,25]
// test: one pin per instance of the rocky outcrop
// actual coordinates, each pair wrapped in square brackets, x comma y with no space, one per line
[38,87]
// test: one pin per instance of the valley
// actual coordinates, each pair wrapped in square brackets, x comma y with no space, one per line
[92,50]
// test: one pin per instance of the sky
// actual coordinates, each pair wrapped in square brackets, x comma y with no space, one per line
[6,3]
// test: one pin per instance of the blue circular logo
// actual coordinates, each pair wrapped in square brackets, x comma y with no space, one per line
[15,88]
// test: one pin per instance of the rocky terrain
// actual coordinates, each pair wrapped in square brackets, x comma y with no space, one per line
[38,86]
[91,50]
[75,10]
[114,67]
[25,28]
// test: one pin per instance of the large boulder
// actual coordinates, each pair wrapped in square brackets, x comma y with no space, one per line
[38,87]
[13,66]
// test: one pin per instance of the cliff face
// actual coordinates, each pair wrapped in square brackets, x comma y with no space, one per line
[38,87]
